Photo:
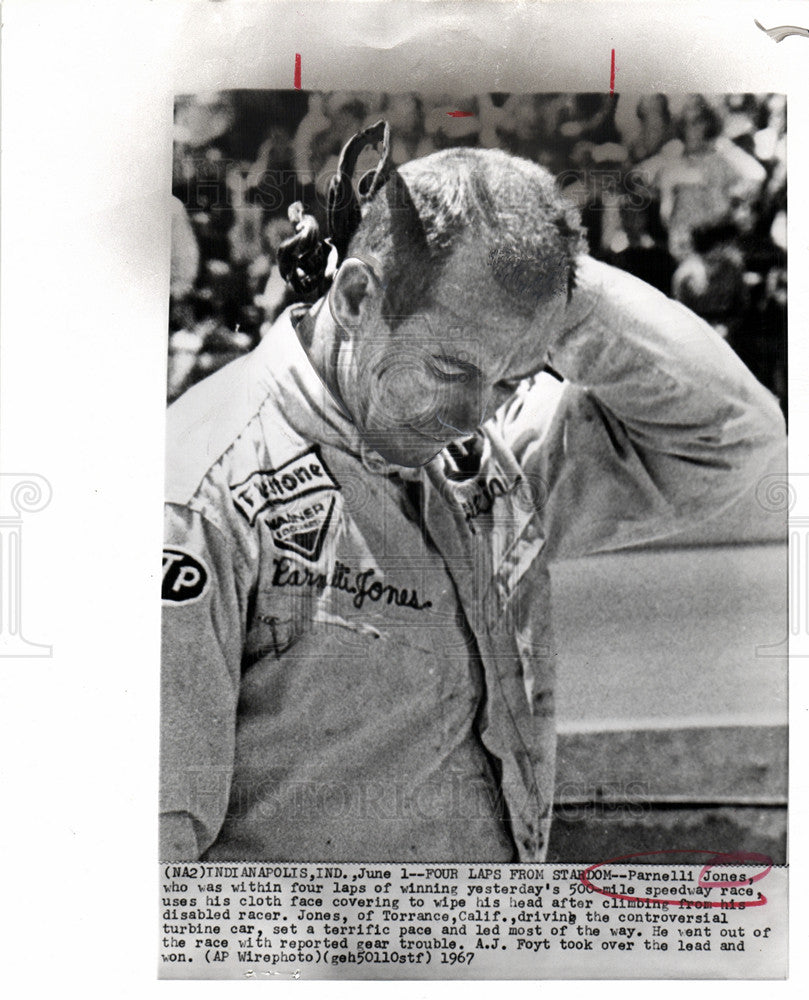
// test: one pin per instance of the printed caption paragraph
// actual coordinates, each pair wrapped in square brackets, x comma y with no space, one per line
[724,917]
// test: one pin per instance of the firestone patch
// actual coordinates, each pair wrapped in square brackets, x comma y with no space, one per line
[305,474]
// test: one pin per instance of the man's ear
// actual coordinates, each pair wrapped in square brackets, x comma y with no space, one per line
[356,293]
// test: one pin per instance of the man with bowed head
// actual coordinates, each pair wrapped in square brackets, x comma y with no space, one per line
[358,664]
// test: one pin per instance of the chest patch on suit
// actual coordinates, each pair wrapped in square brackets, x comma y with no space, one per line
[302,527]
[301,476]
[487,490]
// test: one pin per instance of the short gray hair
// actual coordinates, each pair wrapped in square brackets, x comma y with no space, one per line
[428,206]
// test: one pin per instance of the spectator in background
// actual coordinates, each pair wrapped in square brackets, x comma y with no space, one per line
[199,121]
[769,143]
[759,334]
[591,118]
[654,127]
[330,122]
[530,128]
[492,114]
[443,129]
[405,113]
[275,159]
[711,283]
[184,252]
[244,235]
[759,337]
[275,296]
[714,207]
[695,174]
[202,124]
[271,182]
[743,116]
[596,184]
[314,124]
[633,248]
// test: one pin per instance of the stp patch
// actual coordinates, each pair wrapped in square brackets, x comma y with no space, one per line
[306,473]
[185,577]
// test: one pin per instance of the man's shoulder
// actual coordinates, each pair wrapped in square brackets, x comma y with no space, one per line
[226,428]
[206,421]
[607,296]
[597,278]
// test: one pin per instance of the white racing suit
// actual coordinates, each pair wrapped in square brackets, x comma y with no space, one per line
[357,660]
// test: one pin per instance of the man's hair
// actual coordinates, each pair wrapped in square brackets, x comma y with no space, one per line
[697,105]
[529,233]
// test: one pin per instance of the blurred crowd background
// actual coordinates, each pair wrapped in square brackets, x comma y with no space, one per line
[687,192]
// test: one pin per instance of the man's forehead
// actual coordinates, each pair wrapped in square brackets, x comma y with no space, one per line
[468,282]
[467,309]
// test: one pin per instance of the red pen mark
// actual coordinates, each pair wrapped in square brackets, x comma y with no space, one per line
[705,881]
[461,114]
[612,73]
[297,81]
[734,858]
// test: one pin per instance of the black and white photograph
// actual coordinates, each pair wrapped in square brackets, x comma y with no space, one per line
[452,356]
[477,431]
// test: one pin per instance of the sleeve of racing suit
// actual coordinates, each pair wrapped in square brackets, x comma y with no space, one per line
[659,427]
[203,612]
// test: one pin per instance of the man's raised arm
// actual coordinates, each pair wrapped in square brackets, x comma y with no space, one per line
[660,428]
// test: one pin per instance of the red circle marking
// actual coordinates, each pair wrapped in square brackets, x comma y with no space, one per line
[720,857]
[737,858]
